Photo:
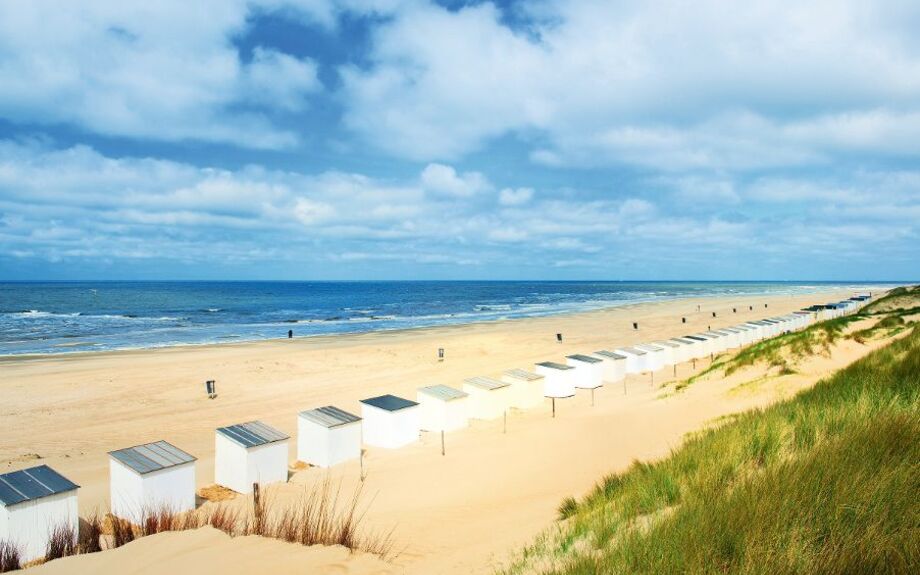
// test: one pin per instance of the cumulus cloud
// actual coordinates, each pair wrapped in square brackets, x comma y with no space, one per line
[665,85]
[515,196]
[157,70]
[444,180]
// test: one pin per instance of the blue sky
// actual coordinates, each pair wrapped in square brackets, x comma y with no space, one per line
[388,139]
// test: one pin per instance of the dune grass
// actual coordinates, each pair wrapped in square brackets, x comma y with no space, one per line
[781,351]
[10,557]
[826,482]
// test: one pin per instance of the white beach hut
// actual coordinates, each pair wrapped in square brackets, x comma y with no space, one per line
[614,365]
[759,332]
[732,339]
[654,356]
[327,436]
[526,388]
[442,408]
[589,371]
[719,342]
[145,479]
[746,334]
[701,345]
[249,453]
[489,398]
[684,350]
[559,379]
[34,503]
[635,359]
[671,353]
[390,421]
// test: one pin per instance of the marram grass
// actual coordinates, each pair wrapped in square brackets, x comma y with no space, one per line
[826,482]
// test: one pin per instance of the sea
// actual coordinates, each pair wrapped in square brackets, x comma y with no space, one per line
[86,316]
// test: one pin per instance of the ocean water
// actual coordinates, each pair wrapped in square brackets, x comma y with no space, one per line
[60,317]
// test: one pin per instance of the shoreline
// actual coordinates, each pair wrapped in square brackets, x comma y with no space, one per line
[447,327]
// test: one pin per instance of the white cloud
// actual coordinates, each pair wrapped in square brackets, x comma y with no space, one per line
[665,85]
[444,180]
[515,196]
[153,70]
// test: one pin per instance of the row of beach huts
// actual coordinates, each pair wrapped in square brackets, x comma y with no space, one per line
[158,475]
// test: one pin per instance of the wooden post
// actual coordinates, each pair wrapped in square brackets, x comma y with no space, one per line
[442,442]
[624,385]
[675,370]
[592,397]
[694,364]
[505,422]
[362,466]
[653,378]
[554,408]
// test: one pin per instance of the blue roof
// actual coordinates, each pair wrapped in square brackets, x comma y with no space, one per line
[389,402]
[33,483]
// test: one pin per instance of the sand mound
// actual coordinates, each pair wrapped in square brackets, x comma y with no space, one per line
[207,550]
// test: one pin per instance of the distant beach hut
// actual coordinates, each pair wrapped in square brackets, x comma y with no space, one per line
[704,345]
[148,478]
[34,503]
[390,421]
[732,337]
[526,388]
[559,379]
[589,371]
[249,453]
[671,352]
[654,356]
[746,333]
[635,359]
[718,341]
[686,351]
[614,365]
[442,408]
[759,330]
[327,436]
[489,398]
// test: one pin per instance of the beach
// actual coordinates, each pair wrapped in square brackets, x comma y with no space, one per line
[495,488]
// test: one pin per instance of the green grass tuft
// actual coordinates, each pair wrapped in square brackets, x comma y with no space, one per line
[826,482]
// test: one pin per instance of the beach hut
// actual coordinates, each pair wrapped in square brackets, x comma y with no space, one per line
[559,379]
[654,356]
[732,338]
[746,333]
[327,436]
[706,345]
[759,330]
[635,359]
[614,365]
[589,370]
[489,398]
[526,388]
[442,408]
[685,350]
[149,478]
[34,503]
[671,353]
[390,421]
[249,453]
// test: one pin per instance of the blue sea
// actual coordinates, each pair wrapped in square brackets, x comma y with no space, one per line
[59,317]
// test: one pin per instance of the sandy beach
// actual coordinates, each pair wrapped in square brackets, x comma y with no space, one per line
[459,513]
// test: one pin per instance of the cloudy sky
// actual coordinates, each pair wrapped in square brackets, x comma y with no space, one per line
[327,139]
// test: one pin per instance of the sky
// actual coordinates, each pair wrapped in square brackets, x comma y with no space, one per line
[390,139]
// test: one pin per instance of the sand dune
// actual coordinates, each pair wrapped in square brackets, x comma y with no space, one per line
[460,513]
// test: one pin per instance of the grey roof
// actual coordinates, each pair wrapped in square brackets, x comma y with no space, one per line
[486,383]
[443,392]
[649,347]
[33,483]
[523,374]
[554,365]
[609,354]
[584,358]
[684,340]
[667,343]
[252,434]
[152,456]
[714,334]
[329,416]
[696,338]
[730,329]
[632,350]
[389,402]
